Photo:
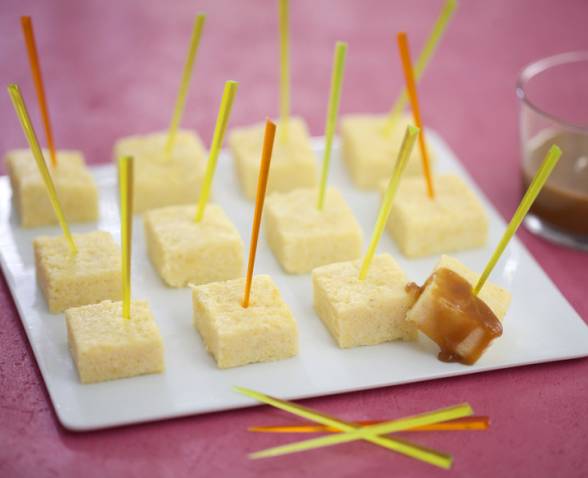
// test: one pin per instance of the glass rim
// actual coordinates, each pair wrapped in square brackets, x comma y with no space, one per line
[544,64]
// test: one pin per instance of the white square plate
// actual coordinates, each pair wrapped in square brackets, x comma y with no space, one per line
[539,327]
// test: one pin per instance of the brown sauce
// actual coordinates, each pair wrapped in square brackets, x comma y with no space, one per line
[563,201]
[454,315]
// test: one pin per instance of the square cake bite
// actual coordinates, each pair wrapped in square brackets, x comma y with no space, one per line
[293,160]
[74,184]
[447,311]
[184,251]
[370,150]
[302,237]
[160,180]
[70,280]
[363,312]
[453,220]
[263,332]
[106,346]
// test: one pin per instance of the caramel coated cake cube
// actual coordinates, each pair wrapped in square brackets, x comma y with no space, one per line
[162,180]
[453,220]
[363,312]
[448,312]
[74,184]
[303,237]
[293,160]
[184,251]
[370,150]
[106,346]
[263,332]
[71,280]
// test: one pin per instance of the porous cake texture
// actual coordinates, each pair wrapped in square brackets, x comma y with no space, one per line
[363,312]
[263,332]
[161,180]
[106,346]
[74,184]
[184,251]
[293,161]
[370,149]
[303,237]
[453,220]
[71,280]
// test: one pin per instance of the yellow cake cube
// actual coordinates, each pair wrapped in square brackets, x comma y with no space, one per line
[366,312]
[106,346]
[74,184]
[185,251]
[461,335]
[160,180]
[370,151]
[454,220]
[263,332]
[302,237]
[71,280]
[293,161]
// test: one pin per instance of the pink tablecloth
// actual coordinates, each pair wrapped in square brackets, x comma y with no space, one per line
[112,68]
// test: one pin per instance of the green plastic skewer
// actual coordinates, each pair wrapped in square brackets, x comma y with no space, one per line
[283,15]
[410,137]
[333,108]
[541,176]
[27,127]
[224,113]
[184,84]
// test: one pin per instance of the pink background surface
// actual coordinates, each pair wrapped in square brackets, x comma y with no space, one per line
[112,68]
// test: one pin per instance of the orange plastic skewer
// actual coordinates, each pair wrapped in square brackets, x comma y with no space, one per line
[27,30]
[459,424]
[266,156]
[414,105]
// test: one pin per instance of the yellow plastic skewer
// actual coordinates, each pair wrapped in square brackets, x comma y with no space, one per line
[27,127]
[334,98]
[351,432]
[284,68]
[125,181]
[29,35]
[410,137]
[224,113]
[424,58]
[541,176]
[185,83]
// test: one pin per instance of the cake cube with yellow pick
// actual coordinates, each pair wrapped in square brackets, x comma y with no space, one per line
[363,312]
[91,275]
[303,237]
[184,251]
[73,181]
[163,179]
[106,346]
[453,220]
[370,147]
[113,340]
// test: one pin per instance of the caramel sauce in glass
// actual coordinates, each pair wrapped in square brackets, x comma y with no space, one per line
[455,315]
[563,201]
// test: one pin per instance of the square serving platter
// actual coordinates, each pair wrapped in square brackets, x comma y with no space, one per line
[540,326]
